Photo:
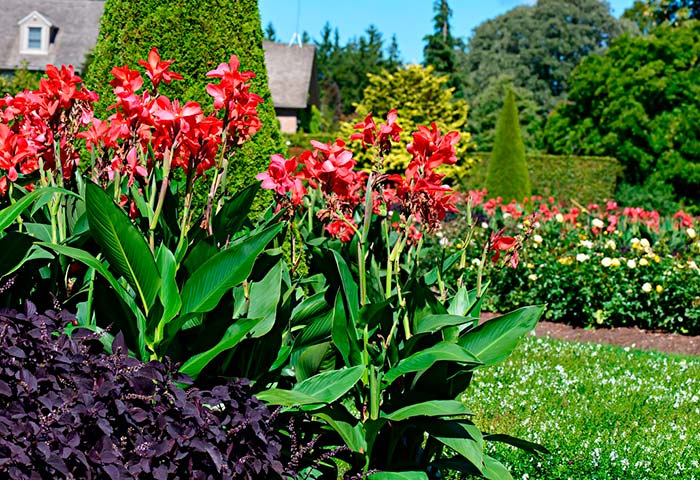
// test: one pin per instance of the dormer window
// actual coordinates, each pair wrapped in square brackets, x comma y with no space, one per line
[35,34]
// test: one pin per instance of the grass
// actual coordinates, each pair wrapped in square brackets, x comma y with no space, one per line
[604,412]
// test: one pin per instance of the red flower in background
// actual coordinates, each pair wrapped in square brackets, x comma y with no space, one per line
[159,71]
[281,177]
[500,243]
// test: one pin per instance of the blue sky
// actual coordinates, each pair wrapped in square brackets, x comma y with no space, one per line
[410,20]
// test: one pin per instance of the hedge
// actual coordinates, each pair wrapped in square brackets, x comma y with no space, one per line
[198,35]
[581,179]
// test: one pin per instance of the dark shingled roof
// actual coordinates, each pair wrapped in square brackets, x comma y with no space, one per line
[77,21]
[290,69]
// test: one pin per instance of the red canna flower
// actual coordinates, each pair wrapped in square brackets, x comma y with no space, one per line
[157,70]
[280,177]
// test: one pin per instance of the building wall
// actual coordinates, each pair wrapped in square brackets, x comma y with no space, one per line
[288,119]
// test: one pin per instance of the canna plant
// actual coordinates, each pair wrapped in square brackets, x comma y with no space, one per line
[382,362]
[111,239]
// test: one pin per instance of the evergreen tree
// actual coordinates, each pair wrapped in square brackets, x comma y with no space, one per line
[650,13]
[507,175]
[343,69]
[270,33]
[440,48]
[198,41]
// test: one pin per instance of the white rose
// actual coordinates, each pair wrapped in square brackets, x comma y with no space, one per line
[582,257]
[691,232]
[644,243]
[606,262]
[537,238]
[646,288]
[631,263]
[597,223]
[559,217]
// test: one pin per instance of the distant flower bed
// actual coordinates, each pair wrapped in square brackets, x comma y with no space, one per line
[598,265]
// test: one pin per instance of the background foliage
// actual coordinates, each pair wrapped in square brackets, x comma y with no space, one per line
[566,177]
[538,46]
[638,102]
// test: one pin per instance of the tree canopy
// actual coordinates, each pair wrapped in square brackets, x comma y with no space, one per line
[649,13]
[440,48]
[638,102]
[343,69]
[538,47]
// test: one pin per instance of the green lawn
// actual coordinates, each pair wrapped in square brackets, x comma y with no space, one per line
[604,412]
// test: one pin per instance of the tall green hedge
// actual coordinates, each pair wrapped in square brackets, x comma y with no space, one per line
[507,175]
[198,35]
[566,177]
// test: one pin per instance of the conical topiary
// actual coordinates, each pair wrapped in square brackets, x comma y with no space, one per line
[507,175]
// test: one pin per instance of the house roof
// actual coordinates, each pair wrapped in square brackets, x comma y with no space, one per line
[289,69]
[77,23]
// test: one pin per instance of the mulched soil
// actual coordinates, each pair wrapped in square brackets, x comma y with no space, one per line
[622,336]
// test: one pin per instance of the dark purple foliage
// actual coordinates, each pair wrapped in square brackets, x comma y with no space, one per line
[67,409]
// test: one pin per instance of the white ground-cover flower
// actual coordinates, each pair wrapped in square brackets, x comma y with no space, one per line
[597,223]
[643,262]
[537,239]
[559,217]
[644,243]
[631,263]
[646,288]
[691,232]
[532,277]
[610,244]
[606,262]
[582,257]
[586,244]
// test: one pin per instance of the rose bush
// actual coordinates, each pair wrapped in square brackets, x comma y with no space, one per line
[599,265]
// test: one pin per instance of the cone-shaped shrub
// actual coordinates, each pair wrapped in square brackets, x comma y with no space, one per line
[507,173]
[198,35]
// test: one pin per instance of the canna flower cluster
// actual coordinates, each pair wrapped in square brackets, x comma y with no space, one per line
[416,197]
[146,130]
[36,128]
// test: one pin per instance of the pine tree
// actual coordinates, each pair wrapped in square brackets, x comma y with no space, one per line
[440,49]
[507,175]
[198,41]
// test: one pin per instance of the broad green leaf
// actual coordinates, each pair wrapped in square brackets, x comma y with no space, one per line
[310,360]
[286,398]
[349,287]
[495,339]
[398,476]
[122,244]
[225,270]
[10,214]
[319,330]
[233,336]
[495,470]
[100,268]
[517,442]
[309,308]
[424,359]
[328,387]
[264,297]
[14,247]
[433,408]
[35,253]
[168,294]
[40,231]
[349,429]
[435,323]
[463,438]
[234,213]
